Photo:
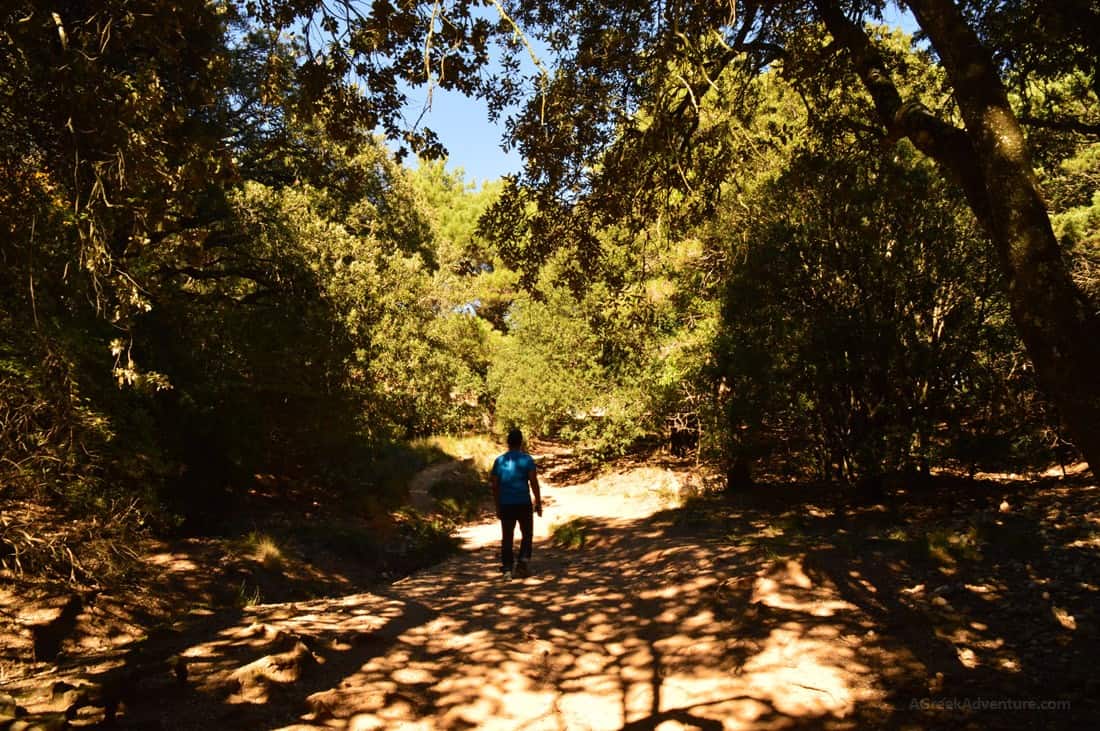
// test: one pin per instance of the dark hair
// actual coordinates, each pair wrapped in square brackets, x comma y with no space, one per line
[515,438]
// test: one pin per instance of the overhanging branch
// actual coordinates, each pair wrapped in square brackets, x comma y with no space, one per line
[945,143]
[1062,124]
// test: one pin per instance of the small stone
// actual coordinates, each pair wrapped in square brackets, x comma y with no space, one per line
[1064,618]
[9,709]
[69,697]
[967,657]
[40,722]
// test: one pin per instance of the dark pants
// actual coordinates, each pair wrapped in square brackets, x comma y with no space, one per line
[509,516]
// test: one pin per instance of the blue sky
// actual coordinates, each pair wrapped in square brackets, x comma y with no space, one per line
[474,143]
[464,129]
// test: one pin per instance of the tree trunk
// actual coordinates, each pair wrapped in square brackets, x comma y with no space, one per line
[991,160]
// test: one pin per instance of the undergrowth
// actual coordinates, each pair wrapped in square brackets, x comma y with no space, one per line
[572,534]
[72,505]
[479,448]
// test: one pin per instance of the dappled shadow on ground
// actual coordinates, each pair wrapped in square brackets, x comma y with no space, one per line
[777,608]
[639,629]
[45,622]
[985,590]
[634,631]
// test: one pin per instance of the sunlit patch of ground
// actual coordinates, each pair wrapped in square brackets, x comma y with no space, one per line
[763,610]
[625,495]
[643,630]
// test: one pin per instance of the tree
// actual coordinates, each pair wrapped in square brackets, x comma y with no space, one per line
[990,158]
[610,133]
[204,281]
[109,136]
[608,128]
[855,330]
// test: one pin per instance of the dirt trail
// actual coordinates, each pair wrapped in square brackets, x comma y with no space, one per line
[657,622]
[631,632]
[639,629]
[627,495]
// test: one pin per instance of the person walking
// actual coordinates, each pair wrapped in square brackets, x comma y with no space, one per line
[514,479]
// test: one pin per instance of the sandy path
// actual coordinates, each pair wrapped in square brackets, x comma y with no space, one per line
[623,496]
[624,634]
[640,629]
[760,611]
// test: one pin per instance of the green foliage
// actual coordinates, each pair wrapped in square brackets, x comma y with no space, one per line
[425,539]
[477,449]
[571,535]
[213,269]
[545,373]
[1076,220]
[867,314]
[220,287]
[45,425]
[246,597]
[949,546]
[787,308]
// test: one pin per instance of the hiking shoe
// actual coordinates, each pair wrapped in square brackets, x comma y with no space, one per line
[522,571]
[506,573]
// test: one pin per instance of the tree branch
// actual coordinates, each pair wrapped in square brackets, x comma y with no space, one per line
[255,275]
[1063,124]
[945,143]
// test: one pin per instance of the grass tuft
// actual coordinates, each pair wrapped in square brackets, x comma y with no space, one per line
[248,598]
[571,535]
[948,546]
[264,549]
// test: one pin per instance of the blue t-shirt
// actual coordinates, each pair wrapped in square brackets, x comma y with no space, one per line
[512,469]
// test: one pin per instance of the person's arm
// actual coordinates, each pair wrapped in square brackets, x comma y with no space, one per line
[533,481]
[494,482]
